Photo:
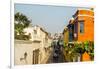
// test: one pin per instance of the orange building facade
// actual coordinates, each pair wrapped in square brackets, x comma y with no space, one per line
[83,25]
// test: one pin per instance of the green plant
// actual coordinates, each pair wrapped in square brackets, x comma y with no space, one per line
[22,37]
[20,22]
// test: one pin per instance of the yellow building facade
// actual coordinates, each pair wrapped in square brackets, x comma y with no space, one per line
[65,36]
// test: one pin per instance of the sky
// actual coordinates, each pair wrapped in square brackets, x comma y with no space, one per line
[51,18]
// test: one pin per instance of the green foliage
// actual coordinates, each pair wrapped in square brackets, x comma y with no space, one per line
[64,44]
[86,45]
[22,37]
[92,9]
[79,49]
[20,22]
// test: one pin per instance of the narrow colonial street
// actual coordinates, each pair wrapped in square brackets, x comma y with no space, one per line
[58,58]
[44,37]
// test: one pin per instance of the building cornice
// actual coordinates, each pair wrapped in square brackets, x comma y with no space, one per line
[83,16]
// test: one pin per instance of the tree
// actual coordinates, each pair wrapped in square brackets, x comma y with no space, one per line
[92,9]
[21,21]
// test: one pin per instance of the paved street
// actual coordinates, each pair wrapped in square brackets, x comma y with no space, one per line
[58,59]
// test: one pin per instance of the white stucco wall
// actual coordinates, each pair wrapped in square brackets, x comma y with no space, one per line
[20,48]
[28,46]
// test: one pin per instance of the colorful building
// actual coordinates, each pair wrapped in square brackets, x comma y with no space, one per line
[65,35]
[81,26]
[80,29]
[71,29]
